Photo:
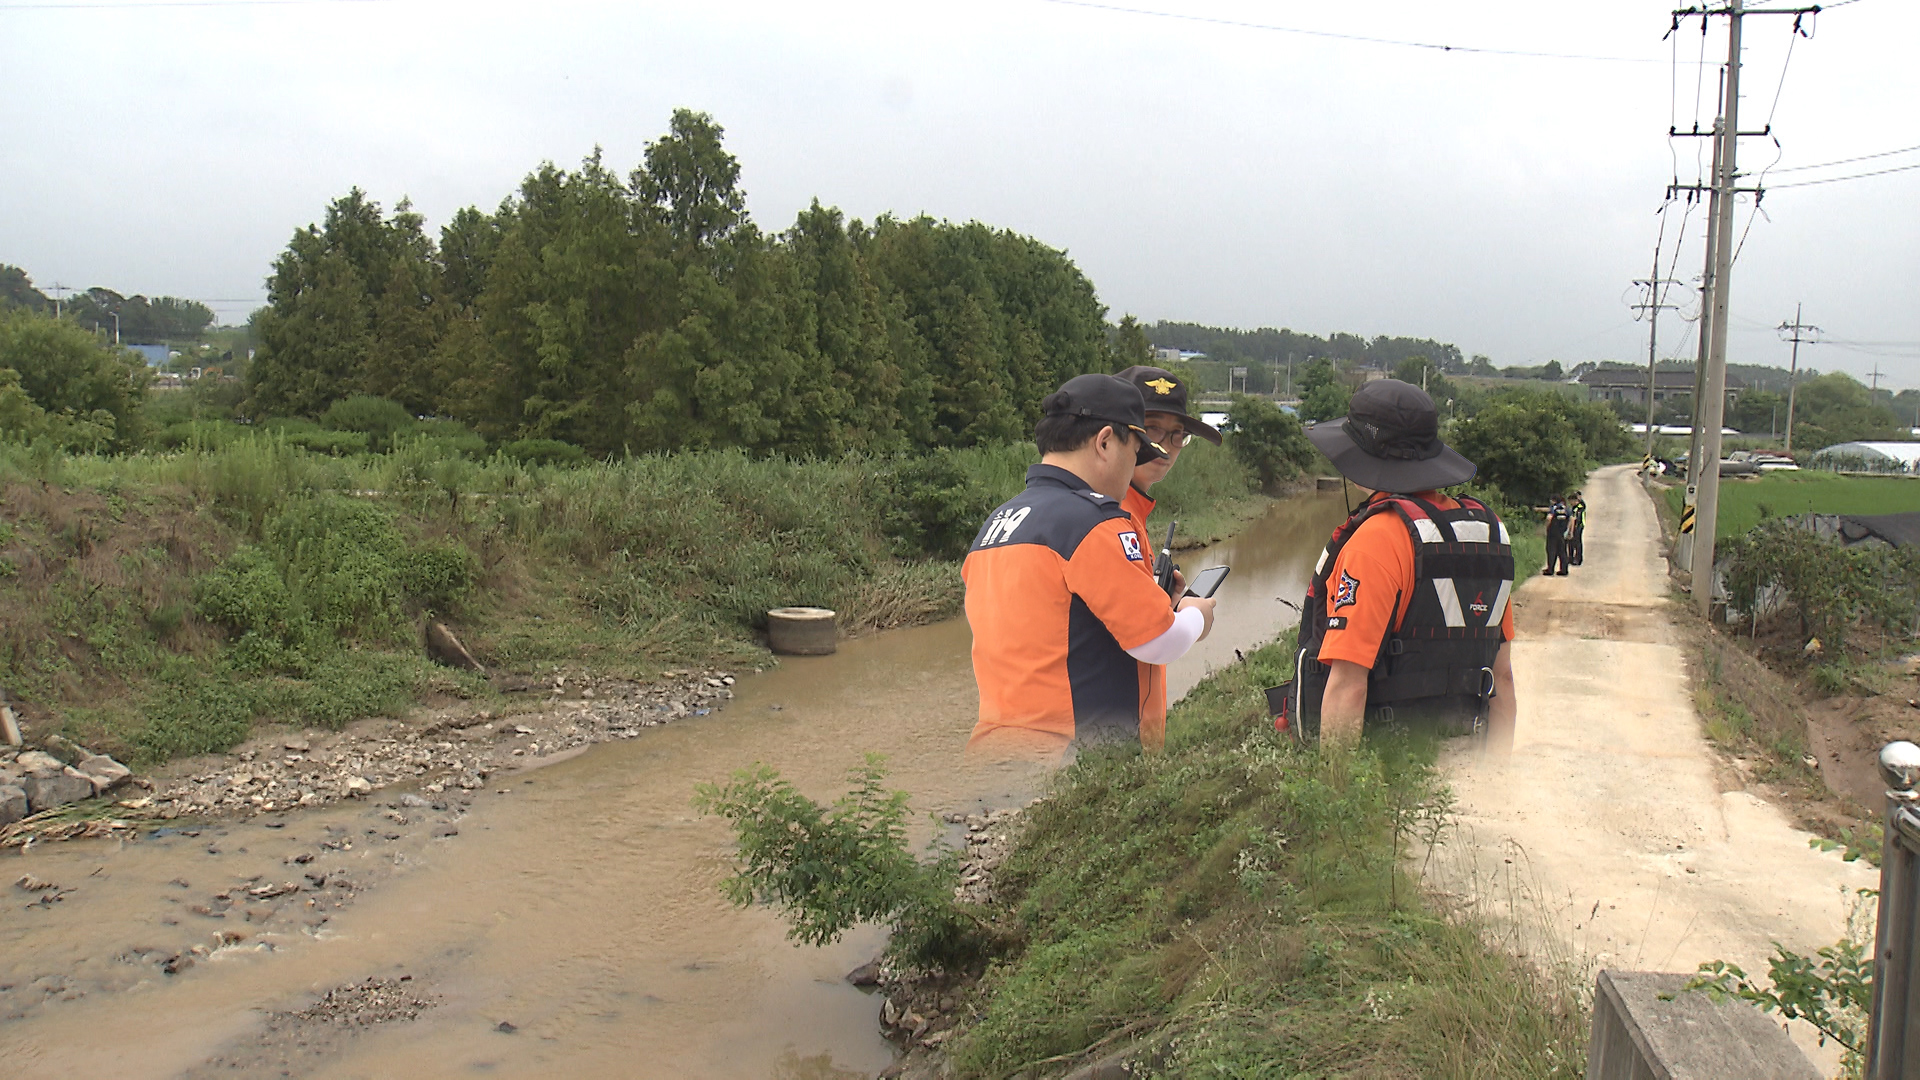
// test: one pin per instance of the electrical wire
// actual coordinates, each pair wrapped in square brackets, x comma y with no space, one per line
[1855,176]
[1848,161]
[1337,36]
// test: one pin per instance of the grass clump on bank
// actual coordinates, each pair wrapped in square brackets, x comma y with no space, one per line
[1236,905]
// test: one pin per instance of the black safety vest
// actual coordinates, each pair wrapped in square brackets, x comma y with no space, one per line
[1437,663]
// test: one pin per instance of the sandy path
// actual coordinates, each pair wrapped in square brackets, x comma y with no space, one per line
[1606,834]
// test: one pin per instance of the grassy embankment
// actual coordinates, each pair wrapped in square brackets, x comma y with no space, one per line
[156,605]
[1745,503]
[1237,906]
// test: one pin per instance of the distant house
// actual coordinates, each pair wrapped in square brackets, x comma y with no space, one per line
[1175,356]
[1630,385]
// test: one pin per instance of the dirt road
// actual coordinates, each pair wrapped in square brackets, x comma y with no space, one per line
[1607,840]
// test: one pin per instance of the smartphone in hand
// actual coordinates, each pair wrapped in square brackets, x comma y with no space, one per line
[1207,582]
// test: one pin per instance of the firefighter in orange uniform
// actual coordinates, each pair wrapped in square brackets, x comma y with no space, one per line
[1062,617]
[1408,622]
[1169,427]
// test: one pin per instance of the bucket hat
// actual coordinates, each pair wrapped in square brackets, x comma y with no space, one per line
[1390,441]
[1105,397]
[1163,391]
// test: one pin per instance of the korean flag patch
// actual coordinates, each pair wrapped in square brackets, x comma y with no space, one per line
[1349,591]
[1130,543]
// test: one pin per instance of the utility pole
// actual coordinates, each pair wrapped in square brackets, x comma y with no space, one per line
[1713,402]
[1796,328]
[1706,310]
[1875,390]
[1653,307]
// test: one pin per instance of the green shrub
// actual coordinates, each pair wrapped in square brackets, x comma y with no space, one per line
[437,575]
[378,418]
[248,598]
[332,443]
[830,868]
[543,452]
[329,568]
[1834,590]
[936,504]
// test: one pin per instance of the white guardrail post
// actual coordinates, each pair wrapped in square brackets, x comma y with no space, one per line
[1893,1051]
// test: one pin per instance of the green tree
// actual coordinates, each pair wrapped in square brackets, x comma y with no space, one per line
[1524,445]
[1753,412]
[16,290]
[1130,344]
[89,395]
[353,308]
[1267,440]
[1836,408]
[692,182]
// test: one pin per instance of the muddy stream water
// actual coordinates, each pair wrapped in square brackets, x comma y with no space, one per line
[566,922]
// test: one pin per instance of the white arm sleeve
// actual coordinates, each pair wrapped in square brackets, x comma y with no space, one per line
[1187,627]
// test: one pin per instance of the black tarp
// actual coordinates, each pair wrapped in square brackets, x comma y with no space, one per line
[1900,530]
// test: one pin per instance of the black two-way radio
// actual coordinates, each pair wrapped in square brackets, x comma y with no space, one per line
[1163,567]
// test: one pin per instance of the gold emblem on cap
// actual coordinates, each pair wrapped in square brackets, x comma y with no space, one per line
[1162,387]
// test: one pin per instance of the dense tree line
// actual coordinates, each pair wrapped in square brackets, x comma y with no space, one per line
[1266,352]
[136,318]
[648,312]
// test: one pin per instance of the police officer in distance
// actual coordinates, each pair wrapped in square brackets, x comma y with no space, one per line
[1062,617]
[1407,622]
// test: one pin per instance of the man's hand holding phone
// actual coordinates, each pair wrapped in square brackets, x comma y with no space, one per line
[1202,604]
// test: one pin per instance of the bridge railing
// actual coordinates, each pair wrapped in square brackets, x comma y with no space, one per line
[1894,1041]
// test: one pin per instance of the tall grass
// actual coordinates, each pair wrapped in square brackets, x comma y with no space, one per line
[116,571]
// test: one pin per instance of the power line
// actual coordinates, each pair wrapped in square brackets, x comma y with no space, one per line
[1337,36]
[1855,176]
[1849,160]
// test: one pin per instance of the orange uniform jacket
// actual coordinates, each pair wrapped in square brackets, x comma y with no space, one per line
[1153,677]
[1055,597]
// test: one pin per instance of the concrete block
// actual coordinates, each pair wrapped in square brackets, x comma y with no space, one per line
[13,804]
[1639,1036]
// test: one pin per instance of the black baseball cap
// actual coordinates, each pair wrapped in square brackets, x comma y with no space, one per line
[1390,441]
[1105,397]
[1163,391]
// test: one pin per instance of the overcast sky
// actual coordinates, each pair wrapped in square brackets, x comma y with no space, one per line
[1194,170]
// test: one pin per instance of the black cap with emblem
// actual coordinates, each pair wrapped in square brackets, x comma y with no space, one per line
[1163,391]
[1390,441]
[1105,397]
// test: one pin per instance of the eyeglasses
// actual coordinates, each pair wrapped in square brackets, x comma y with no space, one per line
[1169,439]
